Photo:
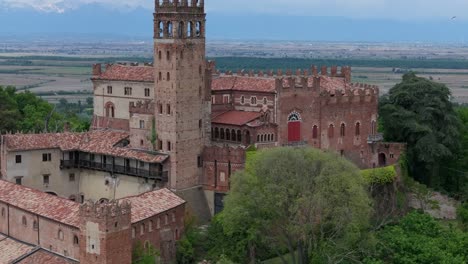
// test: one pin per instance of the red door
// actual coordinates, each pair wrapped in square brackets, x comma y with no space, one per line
[294,131]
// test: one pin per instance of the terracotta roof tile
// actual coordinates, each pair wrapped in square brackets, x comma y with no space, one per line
[243,83]
[43,256]
[98,142]
[11,249]
[152,203]
[40,203]
[118,72]
[236,118]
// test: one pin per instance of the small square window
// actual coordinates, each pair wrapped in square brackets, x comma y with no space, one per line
[128,90]
[18,158]
[46,157]
[147,92]
[71,177]
[45,178]
[19,180]
[109,89]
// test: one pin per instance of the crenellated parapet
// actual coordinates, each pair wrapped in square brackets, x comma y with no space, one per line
[145,108]
[335,72]
[355,93]
[105,210]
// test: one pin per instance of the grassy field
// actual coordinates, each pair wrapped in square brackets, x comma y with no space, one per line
[55,73]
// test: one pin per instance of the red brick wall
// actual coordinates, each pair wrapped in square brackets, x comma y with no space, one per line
[175,225]
[216,171]
[45,235]
[100,122]
[317,107]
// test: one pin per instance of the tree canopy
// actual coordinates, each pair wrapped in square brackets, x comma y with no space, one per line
[28,113]
[419,112]
[297,200]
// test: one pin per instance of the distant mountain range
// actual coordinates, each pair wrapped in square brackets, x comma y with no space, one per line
[99,22]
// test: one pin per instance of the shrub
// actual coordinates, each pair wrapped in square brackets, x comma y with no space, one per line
[379,175]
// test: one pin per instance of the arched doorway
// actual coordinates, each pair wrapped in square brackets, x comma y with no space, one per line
[294,127]
[382,160]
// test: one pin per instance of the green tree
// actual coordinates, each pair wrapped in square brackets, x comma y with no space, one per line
[144,254]
[420,239]
[419,112]
[298,200]
[9,113]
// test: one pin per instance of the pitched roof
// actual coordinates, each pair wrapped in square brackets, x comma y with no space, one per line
[236,118]
[43,256]
[11,249]
[152,203]
[116,72]
[244,83]
[98,141]
[49,206]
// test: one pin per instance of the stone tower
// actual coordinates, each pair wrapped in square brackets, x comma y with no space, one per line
[105,233]
[182,96]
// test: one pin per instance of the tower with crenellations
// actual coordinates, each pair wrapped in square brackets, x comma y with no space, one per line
[182,94]
[105,233]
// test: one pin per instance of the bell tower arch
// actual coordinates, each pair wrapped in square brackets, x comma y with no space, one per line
[182,93]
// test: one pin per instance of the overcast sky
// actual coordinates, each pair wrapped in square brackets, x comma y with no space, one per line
[387,9]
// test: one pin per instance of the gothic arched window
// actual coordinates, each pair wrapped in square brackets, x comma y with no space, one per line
[331,131]
[294,117]
[315,132]
[342,130]
[357,131]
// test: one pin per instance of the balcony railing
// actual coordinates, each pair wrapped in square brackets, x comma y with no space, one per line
[87,164]
[374,138]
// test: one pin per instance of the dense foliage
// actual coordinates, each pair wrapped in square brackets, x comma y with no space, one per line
[24,111]
[379,175]
[144,254]
[419,112]
[420,239]
[295,200]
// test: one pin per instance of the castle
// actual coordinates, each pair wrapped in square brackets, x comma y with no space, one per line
[179,123]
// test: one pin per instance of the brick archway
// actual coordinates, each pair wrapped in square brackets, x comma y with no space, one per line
[294,127]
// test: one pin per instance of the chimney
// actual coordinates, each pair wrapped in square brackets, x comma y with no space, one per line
[97,70]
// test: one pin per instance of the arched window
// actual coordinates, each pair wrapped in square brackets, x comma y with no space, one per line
[242,100]
[331,131]
[190,29]
[357,131]
[35,225]
[221,133]
[24,221]
[265,101]
[160,55]
[342,130]
[75,240]
[110,110]
[233,135]
[315,132]
[198,29]
[181,29]
[160,76]
[168,78]
[168,55]
[228,135]
[294,116]
[258,138]
[216,132]
[239,135]
[3,212]
[373,127]
[173,217]
[150,226]
[160,32]
[60,235]
[158,223]
[142,229]
[169,29]
[253,100]
[247,137]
